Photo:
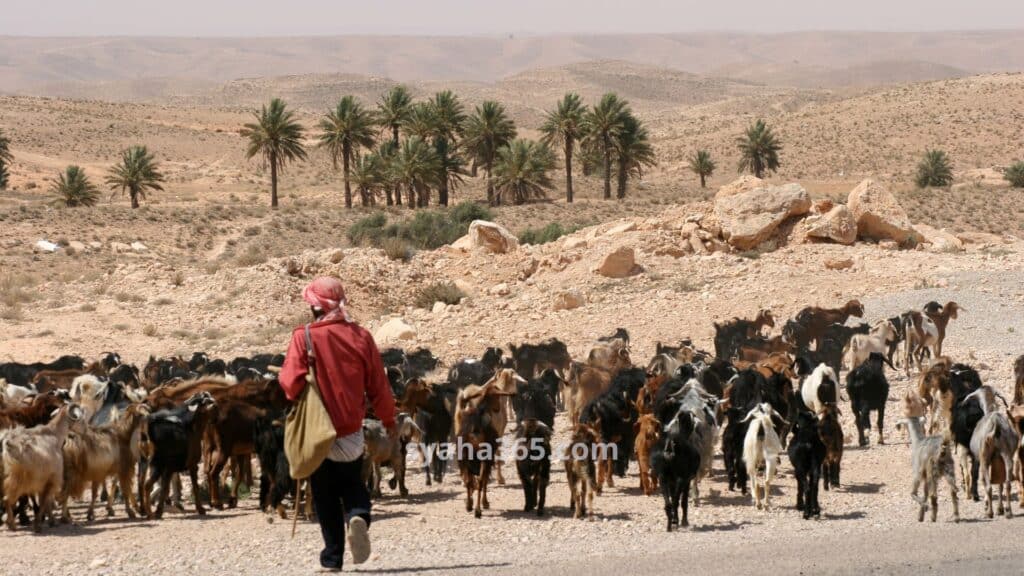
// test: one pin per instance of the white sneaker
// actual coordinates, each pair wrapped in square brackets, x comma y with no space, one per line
[358,540]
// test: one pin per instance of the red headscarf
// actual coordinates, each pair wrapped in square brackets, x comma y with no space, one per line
[328,295]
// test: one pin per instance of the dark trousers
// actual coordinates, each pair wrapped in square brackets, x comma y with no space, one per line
[338,493]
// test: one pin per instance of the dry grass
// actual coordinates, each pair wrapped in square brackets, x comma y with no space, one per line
[16,289]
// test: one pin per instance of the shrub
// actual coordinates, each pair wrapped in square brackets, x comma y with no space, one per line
[149,330]
[439,292]
[178,278]
[397,249]
[252,256]
[466,212]
[369,230]
[549,233]
[1015,175]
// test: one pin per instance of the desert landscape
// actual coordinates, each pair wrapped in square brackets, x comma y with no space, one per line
[205,264]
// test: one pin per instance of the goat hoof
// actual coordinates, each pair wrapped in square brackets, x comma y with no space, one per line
[233,503]
[404,493]
[201,511]
[478,513]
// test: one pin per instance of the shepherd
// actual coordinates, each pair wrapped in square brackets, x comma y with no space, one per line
[348,369]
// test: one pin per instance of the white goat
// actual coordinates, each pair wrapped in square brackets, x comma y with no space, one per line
[88,391]
[33,463]
[993,443]
[694,399]
[862,345]
[931,458]
[762,446]
[921,333]
[12,394]
[819,388]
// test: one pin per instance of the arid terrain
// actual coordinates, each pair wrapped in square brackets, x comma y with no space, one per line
[219,271]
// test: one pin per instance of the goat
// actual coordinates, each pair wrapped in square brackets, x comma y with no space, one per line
[612,356]
[869,390]
[941,315]
[472,371]
[993,444]
[1016,414]
[95,454]
[832,437]
[432,410]
[33,463]
[820,387]
[1018,380]
[172,442]
[275,480]
[479,423]
[619,334]
[530,359]
[809,325]
[22,374]
[580,466]
[390,450]
[692,398]
[648,433]
[943,384]
[535,400]
[922,337]
[496,392]
[863,345]
[676,461]
[930,459]
[967,412]
[613,414]
[33,411]
[11,394]
[534,467]
[730,335]
[762,446]
[807,455]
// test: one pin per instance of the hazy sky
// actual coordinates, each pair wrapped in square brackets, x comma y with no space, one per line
[305,17]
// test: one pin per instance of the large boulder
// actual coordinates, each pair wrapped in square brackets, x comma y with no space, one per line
[744,183]
[394,330]
[491,237]
[619,263]
[837,225]
[878,215]
[749,218]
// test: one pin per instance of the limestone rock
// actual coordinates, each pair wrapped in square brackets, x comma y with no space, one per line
[619,263]
[45,246]
[621,229]
[394,330]
[878,215]
[839,263]
[139,247]
[836,224]
[499,290]
[939,240]
[574,242]
[491,237]
[749,218]
[744,183]
[119,247]
[568,300]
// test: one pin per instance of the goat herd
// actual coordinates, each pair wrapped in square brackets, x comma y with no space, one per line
[69,425]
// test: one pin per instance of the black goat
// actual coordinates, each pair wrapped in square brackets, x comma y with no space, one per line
[807,455]
[22,374]
[529,359]
[275,480]
[620,334]
[534,465]
[675,461]
[869,390]
[533,400]
[472,371]
[434,417]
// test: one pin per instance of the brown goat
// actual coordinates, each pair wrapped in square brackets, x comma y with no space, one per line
[585,383]
[760,348]
[1018,374]
[933,387]
[1016,414]
[941,315]
[95,454]
[729,335]
[648,430]
[814,320]
[831,432]
[33,411]
[580,470]
[48,380]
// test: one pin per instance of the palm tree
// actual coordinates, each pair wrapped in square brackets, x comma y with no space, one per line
[564,126]
[522,170]
[73,188]
[633,151]
[137,173]
[702,165]
[343,131]
[448,117]
[277,137]
[602,125]
[416,167]
[934,170]
[394,110]
[385,153]
[367,176]
[759,150]
[5,158]
[487,130]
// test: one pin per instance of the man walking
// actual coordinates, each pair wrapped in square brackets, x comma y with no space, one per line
[349,370]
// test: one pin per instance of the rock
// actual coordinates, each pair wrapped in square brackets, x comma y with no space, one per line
[77,246]
[839,263]
[836,224]
[619,263]
[119,247]
[621,229]
[464,286]
[95,245]
[464,243]
[492,237]
[499,290]
[439,308]
[336,256]
[888,245]
[697,246]
[878,215]
[44,246]
[572,243]
[394,330]
[981,238]
[744,183]
[527,268]
[939,240]
[138,247]
[749,218]
[568,300]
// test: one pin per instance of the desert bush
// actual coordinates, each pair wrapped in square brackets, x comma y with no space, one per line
[178,278]
[397,249]
[548,233]
[439,292]
[369,230]
[1015,175]
[426,230]
[149,330]
[466,212]
[252,256]
[934,169]
[16,288]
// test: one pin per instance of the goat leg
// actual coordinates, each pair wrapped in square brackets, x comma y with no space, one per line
[125,481]
[193,475]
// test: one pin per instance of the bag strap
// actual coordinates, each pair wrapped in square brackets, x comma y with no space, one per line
[311,362]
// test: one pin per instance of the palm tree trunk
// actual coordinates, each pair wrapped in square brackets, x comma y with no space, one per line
[412,198]
[490,184]
[346,153]
[387,196]
[568,170]
[623,177]
[607,171]
[702,183]
[398,187]
[135,199]
[273,181]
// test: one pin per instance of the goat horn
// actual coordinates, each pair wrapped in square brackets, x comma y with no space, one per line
[1000,396]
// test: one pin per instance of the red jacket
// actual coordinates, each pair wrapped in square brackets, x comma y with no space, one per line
[348,369]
